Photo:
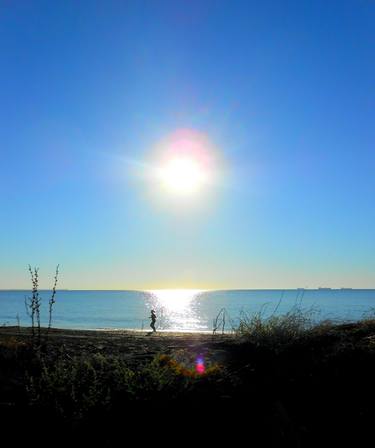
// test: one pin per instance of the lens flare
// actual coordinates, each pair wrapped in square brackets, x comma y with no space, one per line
[199,366]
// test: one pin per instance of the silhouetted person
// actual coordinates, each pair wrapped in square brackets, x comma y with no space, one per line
[153,320]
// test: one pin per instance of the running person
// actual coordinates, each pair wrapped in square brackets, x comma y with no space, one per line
[153,320]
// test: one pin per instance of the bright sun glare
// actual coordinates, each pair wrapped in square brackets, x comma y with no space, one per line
[175,300]
[184,163]
[182,176]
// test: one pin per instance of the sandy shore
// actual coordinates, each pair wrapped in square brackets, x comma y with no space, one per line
[128,344]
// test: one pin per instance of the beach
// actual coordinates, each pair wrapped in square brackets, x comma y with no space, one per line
[295,391]
[130,346]
[187,195]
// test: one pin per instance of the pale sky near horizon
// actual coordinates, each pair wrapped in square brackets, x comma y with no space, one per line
[274,100]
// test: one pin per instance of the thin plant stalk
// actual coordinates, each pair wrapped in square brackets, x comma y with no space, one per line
[52,300]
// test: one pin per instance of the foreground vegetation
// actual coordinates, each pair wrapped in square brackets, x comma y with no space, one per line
[279,382]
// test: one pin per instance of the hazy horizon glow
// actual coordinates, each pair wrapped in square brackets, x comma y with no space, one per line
[201,144]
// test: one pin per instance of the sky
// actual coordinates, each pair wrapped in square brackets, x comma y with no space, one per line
[278,94]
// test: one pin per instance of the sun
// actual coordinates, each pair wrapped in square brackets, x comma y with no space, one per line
[184,163]
[182,176]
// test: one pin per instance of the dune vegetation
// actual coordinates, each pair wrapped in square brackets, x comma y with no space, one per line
[284,380]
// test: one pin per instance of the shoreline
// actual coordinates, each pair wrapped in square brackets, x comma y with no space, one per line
[23,330]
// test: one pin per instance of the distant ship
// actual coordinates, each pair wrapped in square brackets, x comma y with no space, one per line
[346,289]
[324,289]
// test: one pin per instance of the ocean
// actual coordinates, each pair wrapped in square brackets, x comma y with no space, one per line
[183,310]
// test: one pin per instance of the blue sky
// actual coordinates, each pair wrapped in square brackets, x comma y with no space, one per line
[284,90]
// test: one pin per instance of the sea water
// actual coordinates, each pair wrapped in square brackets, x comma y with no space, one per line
[182,310]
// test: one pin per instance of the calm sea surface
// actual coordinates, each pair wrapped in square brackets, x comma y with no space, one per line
[182,310]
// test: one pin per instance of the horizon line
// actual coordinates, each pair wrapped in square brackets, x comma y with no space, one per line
[199,289]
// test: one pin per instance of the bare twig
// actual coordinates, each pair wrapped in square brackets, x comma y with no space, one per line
[52,300]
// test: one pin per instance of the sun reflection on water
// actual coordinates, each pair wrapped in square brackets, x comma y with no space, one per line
[176,309]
